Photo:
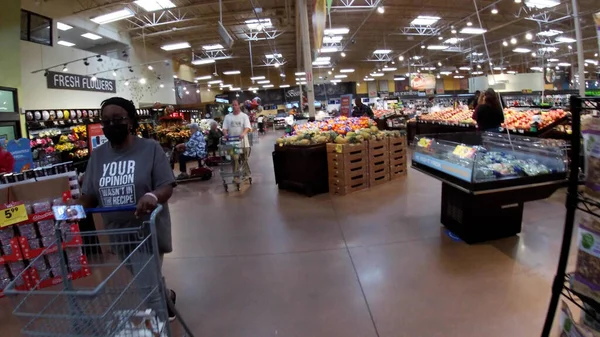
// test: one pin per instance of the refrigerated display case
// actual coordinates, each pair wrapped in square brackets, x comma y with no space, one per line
[486,177]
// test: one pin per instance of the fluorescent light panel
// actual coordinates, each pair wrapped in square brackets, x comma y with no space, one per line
[62,26]
[542,3]
[154,5]
[175,46]
[256,78]
[522,50]
[259,24]
[453,40]
[424,20]
[536,68]
[202,78]
[273,56]
[594,62]
[202,61]
[341,76]
[332,38]
[550,32]
[564,64]
[323,58]
[564,39]
[437,47]
[399,78]
[284,86]
[215,46]
[65,43]
[382,51]
[91,36]
[549,49]
[553,60]
[335,81]
[369,79]
[346,70]
[473,30]
[329,50]
[268,86]
[215,82]
[377,74]
[464,68]
[336,31]
[301,73]
[389,69]
[114,16]
[264,82]
[231,72]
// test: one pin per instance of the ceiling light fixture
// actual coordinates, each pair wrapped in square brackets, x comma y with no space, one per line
[537,68]
[522,50]
[91,36]
[453,40]
[542,3]
[336,31]
[175,46]
[550,32]
[202,61]
[259,24]
[268,86]
[162,85]
[127,83]
[62,26]
[377,74]
[203,78]
[369,79]
[256,78]
[380,10]
[273,56]
[505,44]
[142,80]
[399,78]
[329,50]
[401,58]
[284,86]
[264,82]
[65,69]
[150,67]
[301,73]
[232,72]
[563,64]
[437,47]
[564,39]
[453,31]
[349,70]
[65,43]
[513,41]
[216,46]
[215,82]
[332,38]
[473,30]
[93,79]
[154,5]
[553,60]
[114,16]
[387,69]
[469,23]
[424,20]
[529,36]
[382,51]
[342,54]
[494,10]
[341,76]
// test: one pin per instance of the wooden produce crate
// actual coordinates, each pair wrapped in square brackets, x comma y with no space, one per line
[379,162]
[398,157]
[347,168]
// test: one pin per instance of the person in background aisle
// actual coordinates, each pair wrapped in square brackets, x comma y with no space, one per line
[213,138]
[489,114]
[361,109]
[237,124]
[473,101]
[261,124]
[194,149]
[131,171]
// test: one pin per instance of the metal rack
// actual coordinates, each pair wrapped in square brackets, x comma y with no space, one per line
[575,201]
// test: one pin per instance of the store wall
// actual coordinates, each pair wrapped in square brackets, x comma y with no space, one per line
[10,54]
[37,96]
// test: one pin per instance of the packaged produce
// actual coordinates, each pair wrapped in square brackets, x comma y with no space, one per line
[6,234]
[568,326]
[27,231]
[46,228]
[590,129]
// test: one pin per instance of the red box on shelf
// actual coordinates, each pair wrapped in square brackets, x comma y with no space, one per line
[84,272]
[29,253]
[16,252]
[37,217]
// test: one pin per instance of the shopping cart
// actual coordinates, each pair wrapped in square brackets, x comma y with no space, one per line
[123,297]
[237,157]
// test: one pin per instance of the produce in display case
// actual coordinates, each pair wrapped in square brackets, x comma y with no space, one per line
[524,120]
[450,116]
[488,160]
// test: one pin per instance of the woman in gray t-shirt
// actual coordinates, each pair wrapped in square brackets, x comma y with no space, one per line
[129,171]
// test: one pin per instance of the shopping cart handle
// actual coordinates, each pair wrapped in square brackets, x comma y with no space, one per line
[110,209]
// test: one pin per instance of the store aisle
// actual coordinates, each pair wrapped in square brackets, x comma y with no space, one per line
[264,262]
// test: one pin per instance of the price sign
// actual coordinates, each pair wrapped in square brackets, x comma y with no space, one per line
[424,142]
[12,215]
[463,151]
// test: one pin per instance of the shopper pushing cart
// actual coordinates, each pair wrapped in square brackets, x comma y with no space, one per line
[236,128]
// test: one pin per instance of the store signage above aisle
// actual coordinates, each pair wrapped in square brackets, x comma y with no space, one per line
[422,81]
[64,81]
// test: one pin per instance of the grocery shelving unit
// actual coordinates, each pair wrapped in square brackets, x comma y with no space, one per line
[575,201]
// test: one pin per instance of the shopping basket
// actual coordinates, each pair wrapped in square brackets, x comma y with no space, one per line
[123,294]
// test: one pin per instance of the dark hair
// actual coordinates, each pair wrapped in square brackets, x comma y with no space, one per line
[125,104]
[477,92]
[491,98]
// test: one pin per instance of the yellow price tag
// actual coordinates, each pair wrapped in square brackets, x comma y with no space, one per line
[12,215]
[339,148]
[424,142]
[463,151]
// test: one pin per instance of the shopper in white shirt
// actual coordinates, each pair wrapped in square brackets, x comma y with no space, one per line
[237,124]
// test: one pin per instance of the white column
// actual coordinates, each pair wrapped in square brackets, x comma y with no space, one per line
[306,55]
[580,58]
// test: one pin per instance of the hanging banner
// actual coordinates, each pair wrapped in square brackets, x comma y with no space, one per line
[96,136]
[345,105]
[422,81]
[597,21]
[20,149]
[319,19]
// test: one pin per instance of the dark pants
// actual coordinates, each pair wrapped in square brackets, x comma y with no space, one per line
[183,159]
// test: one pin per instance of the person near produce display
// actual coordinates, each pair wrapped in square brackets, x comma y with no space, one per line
[194,149]
[130,171]
[489,114]
[237,124]
[213,138]
[361,109]
[473,101]
[261,125]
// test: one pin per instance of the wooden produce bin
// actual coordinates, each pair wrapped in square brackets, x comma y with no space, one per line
[347,166]
[397,148]
[302,169]
[379,162]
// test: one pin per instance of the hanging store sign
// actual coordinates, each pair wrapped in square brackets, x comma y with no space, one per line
[64,81]
[345,105]
[318,20]
[422,81]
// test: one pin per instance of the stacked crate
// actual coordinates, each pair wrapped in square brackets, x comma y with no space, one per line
[379,162]
[348,168]
[398,157]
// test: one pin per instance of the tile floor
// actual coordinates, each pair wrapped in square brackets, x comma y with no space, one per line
[263,262]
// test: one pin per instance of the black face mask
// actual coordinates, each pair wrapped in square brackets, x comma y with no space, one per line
[116,134]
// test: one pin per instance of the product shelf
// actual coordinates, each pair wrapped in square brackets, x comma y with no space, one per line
[29,253]
[15,256]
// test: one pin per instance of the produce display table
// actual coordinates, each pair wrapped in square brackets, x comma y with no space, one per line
[301,169]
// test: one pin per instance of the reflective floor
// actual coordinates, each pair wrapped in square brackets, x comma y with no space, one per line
[264,262]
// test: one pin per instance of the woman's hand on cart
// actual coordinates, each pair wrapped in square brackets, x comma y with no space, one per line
[146,204]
